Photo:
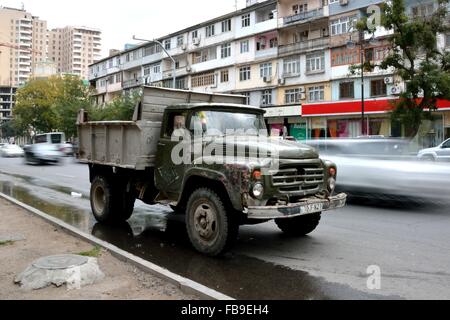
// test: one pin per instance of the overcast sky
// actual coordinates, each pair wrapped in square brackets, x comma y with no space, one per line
[120,20]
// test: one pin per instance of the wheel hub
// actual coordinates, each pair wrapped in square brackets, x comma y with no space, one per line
[205,221]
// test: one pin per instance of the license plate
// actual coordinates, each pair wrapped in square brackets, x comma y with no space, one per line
[312,208]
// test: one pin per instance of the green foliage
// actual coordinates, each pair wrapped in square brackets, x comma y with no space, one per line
[46,105]
[417,60]
[9,129]
[94,253]
[121,108]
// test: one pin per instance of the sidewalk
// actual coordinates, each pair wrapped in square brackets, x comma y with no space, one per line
[122,280]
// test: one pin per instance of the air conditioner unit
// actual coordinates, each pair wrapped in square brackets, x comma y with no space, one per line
[188,69]
[396,90]
[343,2]
[183,47]
[302,89]
[388,80]
[281,81]
[196,41]
[302,96]
[267,79]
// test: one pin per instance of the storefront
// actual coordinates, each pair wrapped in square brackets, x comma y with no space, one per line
[447,125]
[286,120]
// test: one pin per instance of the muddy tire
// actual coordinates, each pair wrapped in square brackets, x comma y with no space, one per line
[299,226]
[109,201]
[211,229]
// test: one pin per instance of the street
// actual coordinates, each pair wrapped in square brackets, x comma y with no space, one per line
[410,245]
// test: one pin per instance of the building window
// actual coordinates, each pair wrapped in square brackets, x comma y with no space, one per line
[316,93]
[291,67]
[315,62]
[226,25]
[204,55]
[342,25]
[224,76]
[245,46]
[180,41]
[195,34]
[447,40]
[266,98]
[157,69]
[225,50]
[209,31]
[346,90]
[244,73]
[247,97]
[292,96]
[245,20]
[203,79]
[423,10]
[344,56]
[167,44]
[378,88]
[265,70]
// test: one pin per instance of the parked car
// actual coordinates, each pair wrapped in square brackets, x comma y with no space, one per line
[439,153]
[42,153]
[11,151]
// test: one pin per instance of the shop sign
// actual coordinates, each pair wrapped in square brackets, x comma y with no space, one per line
[318,123]
[291,111]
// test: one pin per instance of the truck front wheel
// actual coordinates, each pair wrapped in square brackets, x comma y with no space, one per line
[299,226]
[210,228]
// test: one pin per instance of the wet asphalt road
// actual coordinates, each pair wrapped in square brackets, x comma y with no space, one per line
[411,245]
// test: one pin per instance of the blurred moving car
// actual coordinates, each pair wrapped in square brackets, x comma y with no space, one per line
[439,153]
[56,138]
[373,147]
[11,151]
[385,169]
[42,153]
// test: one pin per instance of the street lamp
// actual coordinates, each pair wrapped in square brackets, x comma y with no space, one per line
[168,54]
[351,45]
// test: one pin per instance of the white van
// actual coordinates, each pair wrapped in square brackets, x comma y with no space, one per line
[58,138]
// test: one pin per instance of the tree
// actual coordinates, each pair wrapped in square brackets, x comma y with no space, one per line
[121,108]
[72,95]
[46,105]
[418,61]
[34,110]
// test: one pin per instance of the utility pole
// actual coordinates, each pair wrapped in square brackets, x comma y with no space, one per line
[174,85]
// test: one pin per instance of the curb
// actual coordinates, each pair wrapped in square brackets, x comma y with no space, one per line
[184,284]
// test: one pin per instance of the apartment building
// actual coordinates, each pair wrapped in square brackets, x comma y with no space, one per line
[291,57]
[73,49]
[22,42]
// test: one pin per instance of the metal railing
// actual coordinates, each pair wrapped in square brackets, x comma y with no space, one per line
[304,46]
[317,13]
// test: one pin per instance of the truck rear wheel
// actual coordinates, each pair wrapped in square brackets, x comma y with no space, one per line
[210,228]
[109,202]
[299,226]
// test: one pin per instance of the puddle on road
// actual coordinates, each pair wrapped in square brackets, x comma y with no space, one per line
[161,238]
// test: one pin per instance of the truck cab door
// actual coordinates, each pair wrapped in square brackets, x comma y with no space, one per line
[169,172]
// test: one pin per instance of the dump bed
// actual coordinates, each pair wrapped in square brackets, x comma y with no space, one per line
[133,144]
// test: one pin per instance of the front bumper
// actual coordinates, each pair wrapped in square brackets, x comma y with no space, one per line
[309,206]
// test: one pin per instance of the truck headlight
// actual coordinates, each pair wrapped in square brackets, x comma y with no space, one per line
[258,190]
[331,185]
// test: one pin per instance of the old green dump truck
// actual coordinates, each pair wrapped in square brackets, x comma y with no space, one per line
[207,156]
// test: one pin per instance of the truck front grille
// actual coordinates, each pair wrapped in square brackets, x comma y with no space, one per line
[307,179]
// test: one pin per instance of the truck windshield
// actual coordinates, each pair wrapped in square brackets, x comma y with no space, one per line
[224,123]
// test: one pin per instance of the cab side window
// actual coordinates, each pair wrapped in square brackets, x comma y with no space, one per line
[446,145]
[176,120]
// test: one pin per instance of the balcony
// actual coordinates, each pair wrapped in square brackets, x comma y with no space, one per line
[303,46]
[308,15]
[132,83]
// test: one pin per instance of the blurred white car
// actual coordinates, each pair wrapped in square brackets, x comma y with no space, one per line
[11,151]
[42,153]
[439,153]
